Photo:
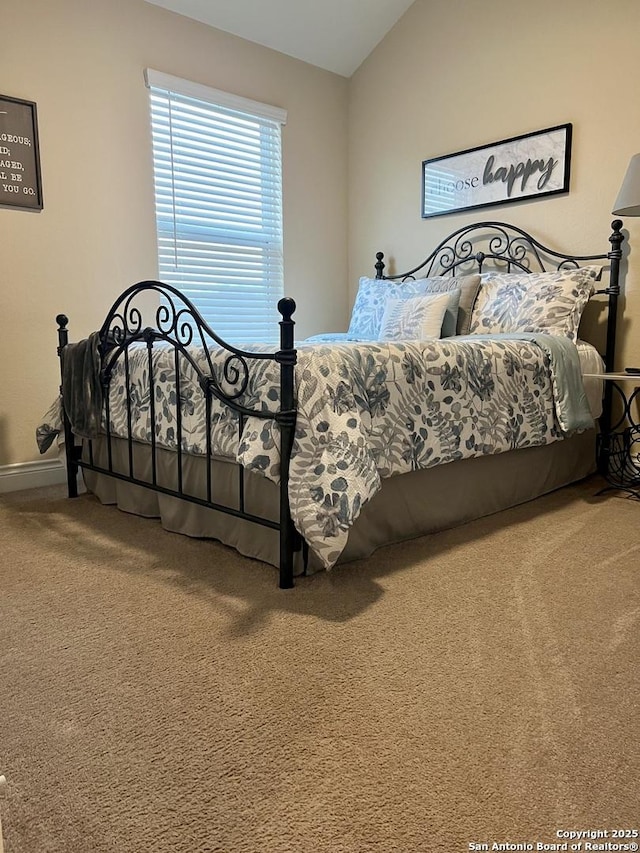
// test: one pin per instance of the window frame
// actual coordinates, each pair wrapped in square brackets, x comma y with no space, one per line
[266,249]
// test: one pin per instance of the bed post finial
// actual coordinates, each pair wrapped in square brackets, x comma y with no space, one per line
[286,306]
[63,333]
[616,239]
[379,265]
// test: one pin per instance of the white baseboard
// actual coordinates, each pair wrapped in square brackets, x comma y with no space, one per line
[31,475]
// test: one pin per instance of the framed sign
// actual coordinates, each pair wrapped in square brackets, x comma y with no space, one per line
[20,179]
[523,167]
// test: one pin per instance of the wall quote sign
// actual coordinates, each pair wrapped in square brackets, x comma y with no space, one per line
[20,178]
[523,167]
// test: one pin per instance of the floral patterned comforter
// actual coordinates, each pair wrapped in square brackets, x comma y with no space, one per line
[367,411]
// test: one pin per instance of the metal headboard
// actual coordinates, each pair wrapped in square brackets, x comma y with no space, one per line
[470,247]
[511,248]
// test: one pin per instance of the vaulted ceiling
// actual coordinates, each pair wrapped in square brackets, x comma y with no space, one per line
[336,35]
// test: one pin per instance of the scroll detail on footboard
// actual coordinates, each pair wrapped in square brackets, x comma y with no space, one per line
[206,389]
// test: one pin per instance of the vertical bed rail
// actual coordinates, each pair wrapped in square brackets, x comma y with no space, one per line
[69,447]
[241,489]
[127,384]
[178,419]
[286,358]
[149,338]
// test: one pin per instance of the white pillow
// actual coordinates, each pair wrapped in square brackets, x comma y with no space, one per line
[418,318]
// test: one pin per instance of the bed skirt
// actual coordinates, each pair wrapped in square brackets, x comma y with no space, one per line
[407,506]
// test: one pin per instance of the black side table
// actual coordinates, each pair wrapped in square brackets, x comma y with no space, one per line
[618,448]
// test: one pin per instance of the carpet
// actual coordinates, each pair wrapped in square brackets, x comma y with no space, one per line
[160,694]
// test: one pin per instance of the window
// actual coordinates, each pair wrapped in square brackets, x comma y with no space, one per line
[218,195]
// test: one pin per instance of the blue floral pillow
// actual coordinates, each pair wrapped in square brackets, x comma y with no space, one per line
[548,303]
[368,308]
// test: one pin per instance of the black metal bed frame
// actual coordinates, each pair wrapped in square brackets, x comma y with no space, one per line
[179,325]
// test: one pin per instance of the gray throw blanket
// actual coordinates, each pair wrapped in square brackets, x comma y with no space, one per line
[81,387]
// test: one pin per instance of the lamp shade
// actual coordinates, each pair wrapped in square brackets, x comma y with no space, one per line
[628,201]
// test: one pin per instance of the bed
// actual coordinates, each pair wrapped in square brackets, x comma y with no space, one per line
[457,392]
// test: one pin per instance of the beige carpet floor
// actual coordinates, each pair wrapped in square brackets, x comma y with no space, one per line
[161,695]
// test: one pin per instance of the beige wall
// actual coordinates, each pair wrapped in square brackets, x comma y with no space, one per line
[82,62]
[454,74]
[451,74]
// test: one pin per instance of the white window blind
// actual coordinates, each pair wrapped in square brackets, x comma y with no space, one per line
[218,194]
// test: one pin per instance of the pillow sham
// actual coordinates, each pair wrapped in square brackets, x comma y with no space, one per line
[549,303]
[369,306]
[417,318]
